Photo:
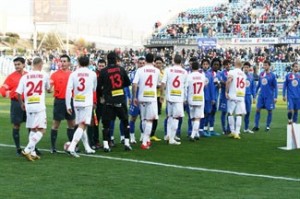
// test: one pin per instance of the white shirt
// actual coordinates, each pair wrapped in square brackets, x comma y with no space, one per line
[83,83]
[237,87]
[195,88]
[147,80]
[175,79]
[33,85]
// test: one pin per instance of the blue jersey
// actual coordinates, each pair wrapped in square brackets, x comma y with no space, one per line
[127,93]
[291,87]
[131,75]
[216,83]
[209,89]
[267,84]
[223,78]
[250,86]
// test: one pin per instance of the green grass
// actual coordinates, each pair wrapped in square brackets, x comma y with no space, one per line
[60,176]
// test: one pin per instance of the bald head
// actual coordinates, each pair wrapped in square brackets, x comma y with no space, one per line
[238,63]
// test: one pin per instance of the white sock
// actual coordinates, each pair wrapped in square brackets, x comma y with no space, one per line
[126,142]
[143,125]
[169,127]
[34,139]
[85,141]
[195,128]
[174,128]
[112,137]
[147,132]
[122,137]
[205,128]
[76,138]
[31,133]
[105,145]
[132,136]
[238,124]
[231,123]
[211,128]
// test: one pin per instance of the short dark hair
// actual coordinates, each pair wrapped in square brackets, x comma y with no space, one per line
[66,56]
[193,59]
[177,59]
[226,62]
[20,59]
[102,61]
[247,64]
[195,65]
[149,58]
[112,58]
[295,63]
[142,58]
[37,60]
[83,60]
[205,60]
[267,62]
[159,59]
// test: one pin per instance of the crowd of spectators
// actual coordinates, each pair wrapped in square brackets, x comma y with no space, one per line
[261,18]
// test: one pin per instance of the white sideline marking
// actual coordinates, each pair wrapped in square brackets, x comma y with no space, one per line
[178,166]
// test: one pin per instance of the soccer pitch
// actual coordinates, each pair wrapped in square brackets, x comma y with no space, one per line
[216,167]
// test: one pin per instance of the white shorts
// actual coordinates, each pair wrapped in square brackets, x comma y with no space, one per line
[175,109]
[148,110]
[196,112]
[36,120]
[237,107]
[83,115]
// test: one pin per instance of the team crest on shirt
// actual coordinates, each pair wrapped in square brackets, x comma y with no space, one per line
[264,81]
[247,83]
[295,83]
[206,81]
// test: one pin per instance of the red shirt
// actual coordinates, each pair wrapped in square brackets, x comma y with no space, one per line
[59,80]
[11,84]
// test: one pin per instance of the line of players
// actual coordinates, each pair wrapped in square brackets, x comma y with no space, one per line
[175,81]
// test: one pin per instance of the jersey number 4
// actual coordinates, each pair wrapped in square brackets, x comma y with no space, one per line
[34,88]
[149,81]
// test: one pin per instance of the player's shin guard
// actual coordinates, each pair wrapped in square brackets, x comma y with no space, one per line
[174,127]
[166,126]
[246,120]
[34,139]
[70,134]
[169,127]
[178,130]
[76,138]
[257,118]
[154,126]
[212,119]
[132,126]
[195,130]
[190,125]
[238,124]
[122,128]
[231,122]
[53,138]
[147,132]
[16,137]
[295,116]
[289,115]
[269,118]
[85,141]
[125,128]
[223,121]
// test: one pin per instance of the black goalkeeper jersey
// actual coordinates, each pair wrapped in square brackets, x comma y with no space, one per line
[111,83]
